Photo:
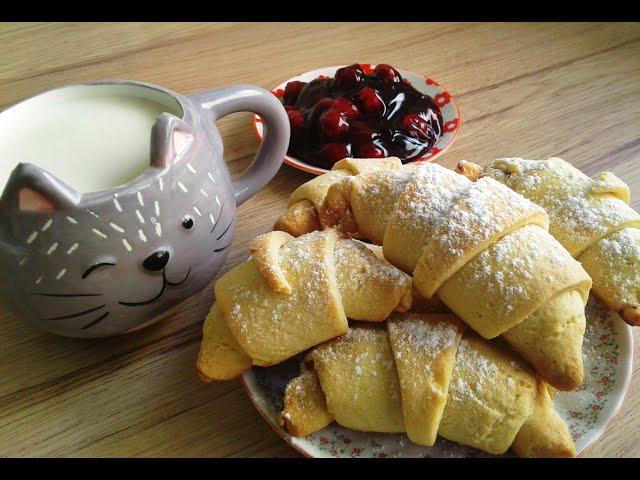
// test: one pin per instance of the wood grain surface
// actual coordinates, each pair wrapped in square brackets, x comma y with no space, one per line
[535,90]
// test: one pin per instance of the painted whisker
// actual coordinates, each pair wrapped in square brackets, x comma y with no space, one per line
[96,321]
[221,248]
[219,217]
[67,295]
[225,230]
[77,314]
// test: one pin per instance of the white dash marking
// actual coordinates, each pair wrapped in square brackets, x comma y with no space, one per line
[204,193]
[46,226]
[217,200]
[126,244]
[195,209]
[98,232]
[21,262]
[39,279]
[213,220]
[157,207]
[32,237]
[72,249]
[139,215]
[191,169]
[117,204]
[140,201]
[61,273]
[211,177]
[142,236]
[158,229]
[72,220]
[161,183]
[182,187]
[117,228]
[52,248]
[93,213]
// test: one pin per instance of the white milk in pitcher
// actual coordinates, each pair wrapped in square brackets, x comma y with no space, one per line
[92,137]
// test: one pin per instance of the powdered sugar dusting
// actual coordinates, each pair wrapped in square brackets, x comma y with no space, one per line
[478,215]
[340,346]
[380,192]
[579,208]
[509,272]
[300,257]
[429,337]
[483,206]
[348,252]
[435,187]
[623,250]
[484,372]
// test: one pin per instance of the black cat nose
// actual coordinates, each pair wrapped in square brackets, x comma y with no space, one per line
[156,261]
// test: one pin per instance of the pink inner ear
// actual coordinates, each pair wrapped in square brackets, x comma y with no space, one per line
[31,201]
[181,141]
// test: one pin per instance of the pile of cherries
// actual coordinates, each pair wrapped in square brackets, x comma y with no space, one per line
[359,115]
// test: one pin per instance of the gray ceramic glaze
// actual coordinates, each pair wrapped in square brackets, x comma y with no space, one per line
[109,262]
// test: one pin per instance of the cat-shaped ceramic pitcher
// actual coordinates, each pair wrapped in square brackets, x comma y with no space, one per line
[107,262]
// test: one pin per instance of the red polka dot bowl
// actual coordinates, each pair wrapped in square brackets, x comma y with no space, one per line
[443,99]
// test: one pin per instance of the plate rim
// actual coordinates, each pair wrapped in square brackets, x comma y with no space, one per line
[628,372]
[306,167]
[281,433]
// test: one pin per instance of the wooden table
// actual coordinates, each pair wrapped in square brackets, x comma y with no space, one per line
[570,90]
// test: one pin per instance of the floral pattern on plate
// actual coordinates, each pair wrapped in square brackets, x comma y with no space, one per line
[607,355]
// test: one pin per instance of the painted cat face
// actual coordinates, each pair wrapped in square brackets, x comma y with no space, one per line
[95,264]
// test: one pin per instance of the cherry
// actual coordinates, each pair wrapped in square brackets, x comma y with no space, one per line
[319,108]
[296,119]
[370,150]
[360,132]
[386,73]
[370,102]
[292,90]
[323,104]
[346,108]
[415,125]
[349,78]
[333,152]
[333,124]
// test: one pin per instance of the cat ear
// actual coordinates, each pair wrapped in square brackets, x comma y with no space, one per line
[170,139]
[32,189]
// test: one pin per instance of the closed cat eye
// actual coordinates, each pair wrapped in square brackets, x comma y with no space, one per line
[93,268]
[187,222]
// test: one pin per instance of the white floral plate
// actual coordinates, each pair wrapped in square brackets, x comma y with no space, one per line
[608,358]
[443,99]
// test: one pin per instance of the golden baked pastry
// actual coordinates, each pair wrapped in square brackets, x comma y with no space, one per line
[424,374]
[482,249]
[591,218]
[292,294]
[304,203]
